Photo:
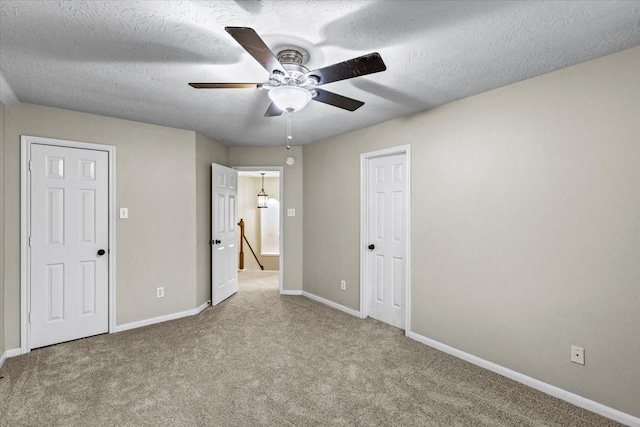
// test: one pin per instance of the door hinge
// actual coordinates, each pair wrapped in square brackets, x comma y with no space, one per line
[29,317]
[29,241]
[29,165]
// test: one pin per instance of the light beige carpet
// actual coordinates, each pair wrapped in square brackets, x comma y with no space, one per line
[258,280]
[264,359]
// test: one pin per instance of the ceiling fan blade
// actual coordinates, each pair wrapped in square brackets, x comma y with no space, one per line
[361,66]
[336,100]
[226,85]
[252,43]
[273,111]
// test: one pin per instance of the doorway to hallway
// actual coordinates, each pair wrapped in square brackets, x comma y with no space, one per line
[260,251]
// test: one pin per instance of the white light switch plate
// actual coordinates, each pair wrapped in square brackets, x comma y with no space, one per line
[291,212]
[124,213]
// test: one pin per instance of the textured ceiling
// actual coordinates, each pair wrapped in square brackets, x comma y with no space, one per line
[133,59]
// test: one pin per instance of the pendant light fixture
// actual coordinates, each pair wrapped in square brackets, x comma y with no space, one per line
[262,196]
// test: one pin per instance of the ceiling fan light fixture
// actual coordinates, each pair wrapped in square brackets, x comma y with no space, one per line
[290,98]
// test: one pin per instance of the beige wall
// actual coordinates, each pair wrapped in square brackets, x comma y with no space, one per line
[2,245]
[156,180]
[207,151]
[248,189]
[526,217]
[291,199]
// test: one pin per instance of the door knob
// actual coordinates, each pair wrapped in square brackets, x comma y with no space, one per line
[215,242]
[372,247]
[101,252]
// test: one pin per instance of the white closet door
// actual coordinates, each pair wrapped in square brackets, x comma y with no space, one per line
[69,244]
[387,261]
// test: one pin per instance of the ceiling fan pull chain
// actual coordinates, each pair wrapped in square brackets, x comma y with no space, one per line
[289,136]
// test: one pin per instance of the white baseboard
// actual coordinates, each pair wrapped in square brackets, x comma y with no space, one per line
[13,352]
[288,292]
[9,353]
[554,391]
[126,327]
[147,322]
[332,304]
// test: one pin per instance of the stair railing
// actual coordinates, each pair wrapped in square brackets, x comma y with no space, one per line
[243,239]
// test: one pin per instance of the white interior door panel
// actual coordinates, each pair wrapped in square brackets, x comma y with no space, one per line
[387,258]
[224,260]
[69,229]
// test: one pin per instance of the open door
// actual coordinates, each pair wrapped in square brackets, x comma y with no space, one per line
[224,260]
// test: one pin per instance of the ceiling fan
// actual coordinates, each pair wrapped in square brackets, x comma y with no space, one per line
[291,85]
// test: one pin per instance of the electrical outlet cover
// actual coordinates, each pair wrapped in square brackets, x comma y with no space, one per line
[577,355]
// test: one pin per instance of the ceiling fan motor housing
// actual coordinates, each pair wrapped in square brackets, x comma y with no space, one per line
[291,61]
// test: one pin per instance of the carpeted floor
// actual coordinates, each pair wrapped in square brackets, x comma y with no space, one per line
[264,359]
[258,280]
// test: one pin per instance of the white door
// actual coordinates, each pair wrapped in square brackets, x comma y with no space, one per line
[224,259]
[69,231]
[386,263]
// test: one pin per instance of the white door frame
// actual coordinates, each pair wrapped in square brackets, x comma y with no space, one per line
[364,229]
[25,229]
[281,237]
